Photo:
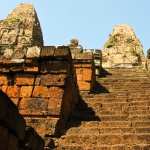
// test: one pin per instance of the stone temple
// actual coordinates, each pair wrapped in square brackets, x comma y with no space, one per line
[68,97]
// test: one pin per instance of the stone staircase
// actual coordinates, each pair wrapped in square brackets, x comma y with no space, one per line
[114,117]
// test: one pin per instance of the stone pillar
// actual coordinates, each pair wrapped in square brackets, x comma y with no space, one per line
[85,71]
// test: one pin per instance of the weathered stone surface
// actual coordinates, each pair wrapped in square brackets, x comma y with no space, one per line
[8,53]
[33,106]
[123,48]
[23,79]
[30,31]
[13,91]
[33,52]
[26,91]
[53,79]
[40,91]
[85,71]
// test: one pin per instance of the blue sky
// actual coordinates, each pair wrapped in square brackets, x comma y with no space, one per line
[90,21]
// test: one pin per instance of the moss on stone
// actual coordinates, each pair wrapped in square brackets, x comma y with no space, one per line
[111,42]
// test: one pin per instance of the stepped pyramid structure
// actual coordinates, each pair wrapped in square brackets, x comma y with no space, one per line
[51,99]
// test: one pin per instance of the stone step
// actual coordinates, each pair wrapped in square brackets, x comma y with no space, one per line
[122,124]
[108,124]
[114,104]
[117,117]
[110,95]
[99,113]
[100,131]
[103,147]
[106,139]
[118,109]
[117,99]
[84,115]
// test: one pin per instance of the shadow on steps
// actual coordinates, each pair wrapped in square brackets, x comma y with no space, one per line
[104,73]
[81,113]
[99,89]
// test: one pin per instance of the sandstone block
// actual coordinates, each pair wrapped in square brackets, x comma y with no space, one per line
[8,53]
[87,74]
[39,124]
[21,79]
[33,106]
[13,91]
[33,52]
[40,91]
[3,80]
[19,54]
[53,79]
[84,86]
[54,106]
[79,77]
[56,92]
[26,91]
[55,66]
[47,51]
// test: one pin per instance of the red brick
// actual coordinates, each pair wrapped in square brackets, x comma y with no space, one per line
[26,91]
[13,91]
[24,80]
[40,91]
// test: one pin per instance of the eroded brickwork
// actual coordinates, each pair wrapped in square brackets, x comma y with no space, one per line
[85,71]
[39,80]
[15,134]
[44,88]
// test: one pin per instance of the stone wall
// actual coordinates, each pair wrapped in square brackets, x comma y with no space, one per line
[20,30]
[15,135]
[85,71]
[42,86]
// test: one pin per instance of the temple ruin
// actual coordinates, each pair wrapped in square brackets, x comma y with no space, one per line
[68,97]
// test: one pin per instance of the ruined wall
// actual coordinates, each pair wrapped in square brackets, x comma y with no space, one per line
[20,30]
[15,135]
[122,49]
[39,80]
[43,86]
[85,71]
